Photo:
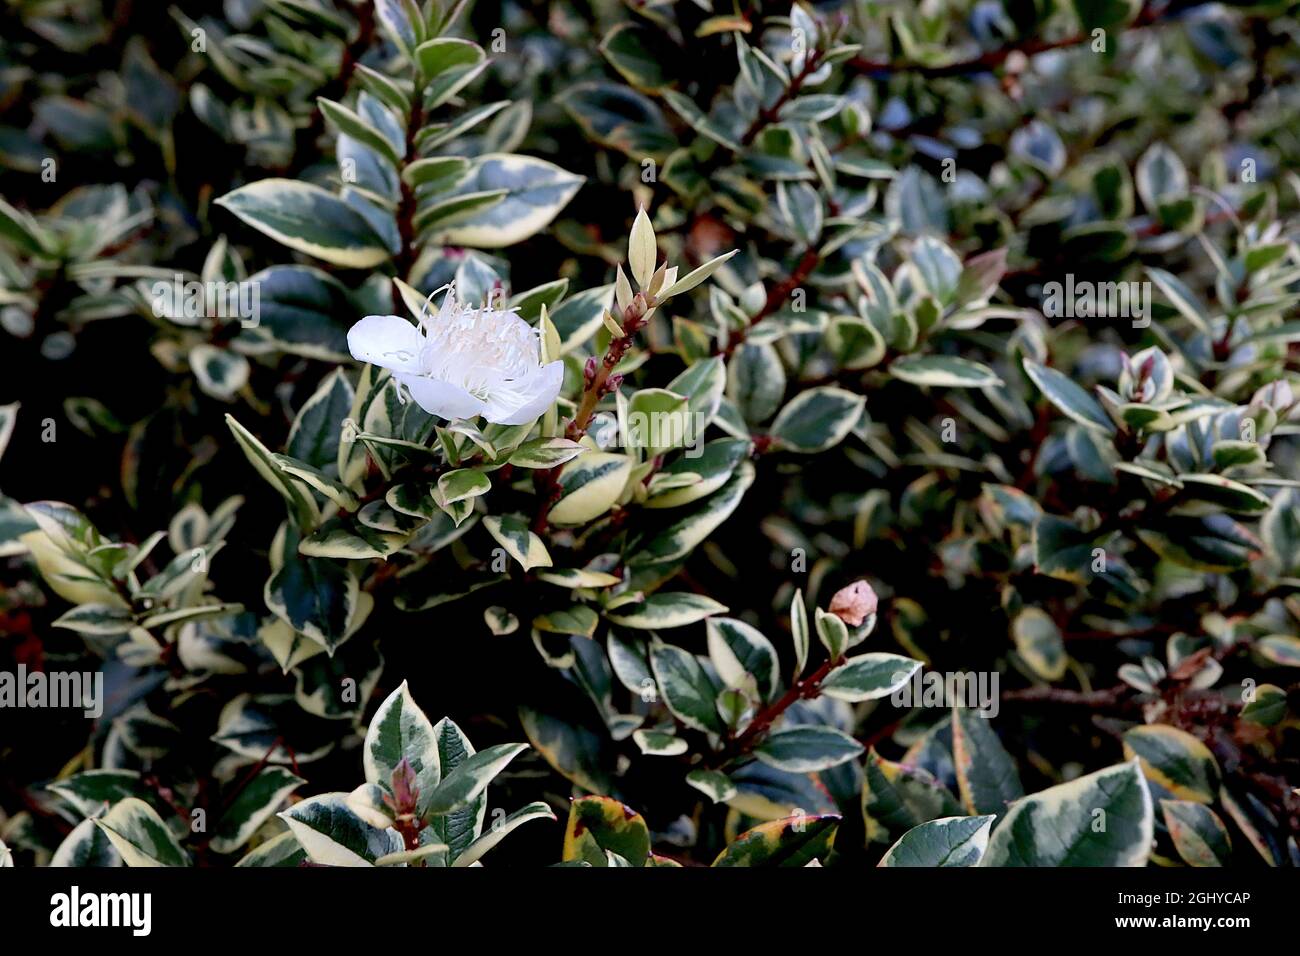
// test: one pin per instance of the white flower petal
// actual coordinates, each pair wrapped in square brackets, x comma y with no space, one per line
[440,398]
[388,341]
[528,398]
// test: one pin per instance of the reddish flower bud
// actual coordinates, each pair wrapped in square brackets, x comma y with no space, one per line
[854,604]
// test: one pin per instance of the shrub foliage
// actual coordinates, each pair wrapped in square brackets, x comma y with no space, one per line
[843,433]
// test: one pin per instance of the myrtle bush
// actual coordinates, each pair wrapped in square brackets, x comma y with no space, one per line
[846,434]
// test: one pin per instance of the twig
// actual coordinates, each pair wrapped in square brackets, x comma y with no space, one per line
[304,139]
[989,61]
[768,115]
[752,735]
[1077,698]
[599,382]
[250,776]
[776,297]
[406,206]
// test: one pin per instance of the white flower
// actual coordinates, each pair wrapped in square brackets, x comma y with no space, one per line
[463,361]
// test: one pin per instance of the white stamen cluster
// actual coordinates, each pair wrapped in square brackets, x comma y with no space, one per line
[478,349]
[462,361]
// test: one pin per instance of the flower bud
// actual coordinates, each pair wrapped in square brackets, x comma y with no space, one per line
[637,308]
[854,604]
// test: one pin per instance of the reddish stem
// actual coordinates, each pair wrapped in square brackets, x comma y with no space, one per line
[776,297]
[803,689]
[994,58]
[768,115]
[635,316]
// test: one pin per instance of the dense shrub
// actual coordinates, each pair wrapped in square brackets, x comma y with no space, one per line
[848,433]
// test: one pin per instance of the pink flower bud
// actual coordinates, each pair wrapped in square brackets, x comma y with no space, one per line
[854,604]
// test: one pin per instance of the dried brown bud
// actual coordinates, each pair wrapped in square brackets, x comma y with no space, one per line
[854,604]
